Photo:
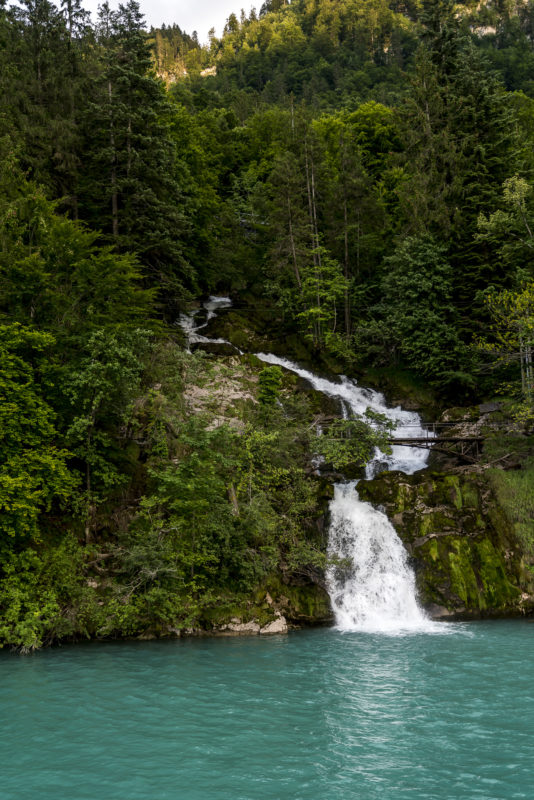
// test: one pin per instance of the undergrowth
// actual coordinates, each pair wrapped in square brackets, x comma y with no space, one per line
[515,488]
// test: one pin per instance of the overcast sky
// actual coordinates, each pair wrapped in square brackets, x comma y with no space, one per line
[190,15]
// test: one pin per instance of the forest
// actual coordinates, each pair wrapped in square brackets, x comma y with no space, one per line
[359,173]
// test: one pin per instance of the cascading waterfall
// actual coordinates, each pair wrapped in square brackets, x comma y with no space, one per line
[371,585]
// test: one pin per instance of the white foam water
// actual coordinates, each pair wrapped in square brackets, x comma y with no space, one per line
[372,587]
[358,399]
[370,582]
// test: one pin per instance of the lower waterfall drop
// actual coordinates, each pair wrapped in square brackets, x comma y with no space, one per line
[373,587]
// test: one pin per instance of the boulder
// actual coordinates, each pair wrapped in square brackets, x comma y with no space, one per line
[242,628]
[278,625]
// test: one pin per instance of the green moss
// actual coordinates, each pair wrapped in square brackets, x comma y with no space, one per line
[463,579]
[497,588]
[404,498]
[223,612]
[483,558]
[452,485]
[433,551]
[308,604]
[469,495]
[435,522]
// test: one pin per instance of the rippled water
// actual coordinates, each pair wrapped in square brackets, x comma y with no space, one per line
[317,715]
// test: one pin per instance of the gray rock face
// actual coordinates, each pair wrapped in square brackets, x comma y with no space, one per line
[489,408]
[242,628]
[215,348]
[278,625]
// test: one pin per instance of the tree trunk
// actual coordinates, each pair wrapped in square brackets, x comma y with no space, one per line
[292,242]
[346,265]
[114,197]
[232,497]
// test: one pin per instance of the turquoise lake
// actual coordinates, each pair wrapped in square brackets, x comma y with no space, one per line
[316,715]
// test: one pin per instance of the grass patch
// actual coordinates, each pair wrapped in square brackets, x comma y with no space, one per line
[515,490]
[517,445]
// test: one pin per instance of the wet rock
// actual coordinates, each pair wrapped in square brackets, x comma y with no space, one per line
[489,408]
[439,612]
[215,348]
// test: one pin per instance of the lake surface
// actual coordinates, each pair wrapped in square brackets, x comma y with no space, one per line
[316,715]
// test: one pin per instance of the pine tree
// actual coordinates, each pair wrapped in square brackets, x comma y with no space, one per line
[460,142]
[130,189]
[44,91]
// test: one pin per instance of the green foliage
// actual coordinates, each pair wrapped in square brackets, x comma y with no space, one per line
[270,382]
[52,273]
[416,320]
[129,183]
[322,293]
[352,442]
[323,52]
[454,106]
[509,230]
[33,470]
[419,314]
[512,343]
[100,391]
[29,609]
[368,194]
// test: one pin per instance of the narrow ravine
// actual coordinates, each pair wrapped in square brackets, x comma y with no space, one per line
[371,585]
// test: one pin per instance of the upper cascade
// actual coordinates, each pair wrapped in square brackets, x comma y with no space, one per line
[189,325]
[359,399]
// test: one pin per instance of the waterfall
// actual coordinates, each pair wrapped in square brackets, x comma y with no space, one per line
[371,585]
[188,322]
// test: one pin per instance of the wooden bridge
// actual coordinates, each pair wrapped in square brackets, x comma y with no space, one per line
[434,437]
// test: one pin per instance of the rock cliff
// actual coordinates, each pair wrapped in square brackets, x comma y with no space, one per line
[468,561]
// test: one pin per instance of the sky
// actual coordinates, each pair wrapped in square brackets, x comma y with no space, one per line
[190,15]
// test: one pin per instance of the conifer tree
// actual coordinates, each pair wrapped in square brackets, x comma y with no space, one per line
[41,91]
[460,145]
[130,189]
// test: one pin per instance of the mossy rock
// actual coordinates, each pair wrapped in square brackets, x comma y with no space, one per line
[461,414]
[464,552]
[301,603]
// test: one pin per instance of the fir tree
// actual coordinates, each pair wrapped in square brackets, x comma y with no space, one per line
[460,142]
[130,187]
